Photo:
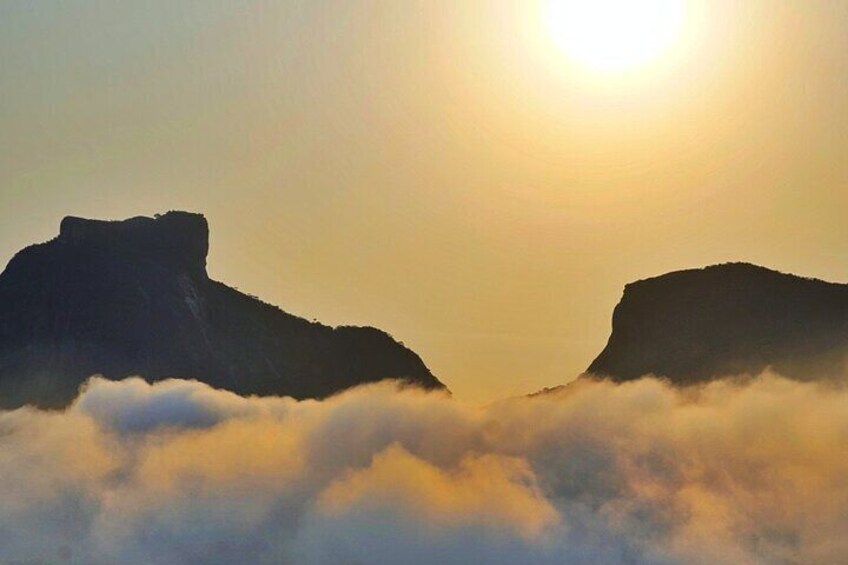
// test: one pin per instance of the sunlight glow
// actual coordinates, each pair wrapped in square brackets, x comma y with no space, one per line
[614,35]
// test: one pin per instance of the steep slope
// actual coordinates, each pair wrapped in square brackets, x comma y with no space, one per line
[133,297]
[693,325]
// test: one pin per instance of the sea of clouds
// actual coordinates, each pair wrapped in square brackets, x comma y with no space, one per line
[751,472]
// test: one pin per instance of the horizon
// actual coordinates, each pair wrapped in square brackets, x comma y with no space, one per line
[565,380]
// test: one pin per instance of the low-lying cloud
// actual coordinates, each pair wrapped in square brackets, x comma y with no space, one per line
[177,472]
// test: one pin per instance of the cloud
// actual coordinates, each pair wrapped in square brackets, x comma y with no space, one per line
[177,472]
[133,405]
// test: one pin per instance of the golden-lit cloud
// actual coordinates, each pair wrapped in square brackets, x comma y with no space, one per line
[597,473]
[492,491]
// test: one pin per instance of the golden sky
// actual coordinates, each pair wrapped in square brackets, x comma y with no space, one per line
[447,171]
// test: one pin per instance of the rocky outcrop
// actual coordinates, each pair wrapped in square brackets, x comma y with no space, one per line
[133,298]
[695,325]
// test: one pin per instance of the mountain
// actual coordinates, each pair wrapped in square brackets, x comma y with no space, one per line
[691,326]
[133,298]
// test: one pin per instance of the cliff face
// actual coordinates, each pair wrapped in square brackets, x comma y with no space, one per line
[133,298]
[691,326]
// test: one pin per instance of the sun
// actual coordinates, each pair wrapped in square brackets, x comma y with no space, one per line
[614,35]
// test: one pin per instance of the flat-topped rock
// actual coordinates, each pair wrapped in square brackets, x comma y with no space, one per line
[694,325]
[132,297]
[180,239]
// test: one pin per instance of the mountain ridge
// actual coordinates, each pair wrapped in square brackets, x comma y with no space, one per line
[132,296]
[693,325]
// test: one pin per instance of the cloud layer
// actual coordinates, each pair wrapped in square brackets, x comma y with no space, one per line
[177,472]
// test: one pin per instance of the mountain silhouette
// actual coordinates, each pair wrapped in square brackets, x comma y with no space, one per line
[132,297]
[694,325]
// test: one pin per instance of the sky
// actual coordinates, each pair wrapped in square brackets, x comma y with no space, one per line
[441,170]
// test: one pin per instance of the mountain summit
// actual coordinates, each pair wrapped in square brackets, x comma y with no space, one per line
[695,325]
[132,297]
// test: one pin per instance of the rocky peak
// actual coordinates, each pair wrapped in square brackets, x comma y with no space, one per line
[736,318]
[132,297]
[179,240]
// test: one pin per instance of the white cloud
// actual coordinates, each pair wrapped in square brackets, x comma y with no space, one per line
[177,472]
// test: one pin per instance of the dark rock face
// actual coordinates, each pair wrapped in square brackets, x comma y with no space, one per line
[691,326]
[133,298]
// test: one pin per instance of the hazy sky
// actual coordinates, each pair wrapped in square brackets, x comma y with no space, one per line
[437,169]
